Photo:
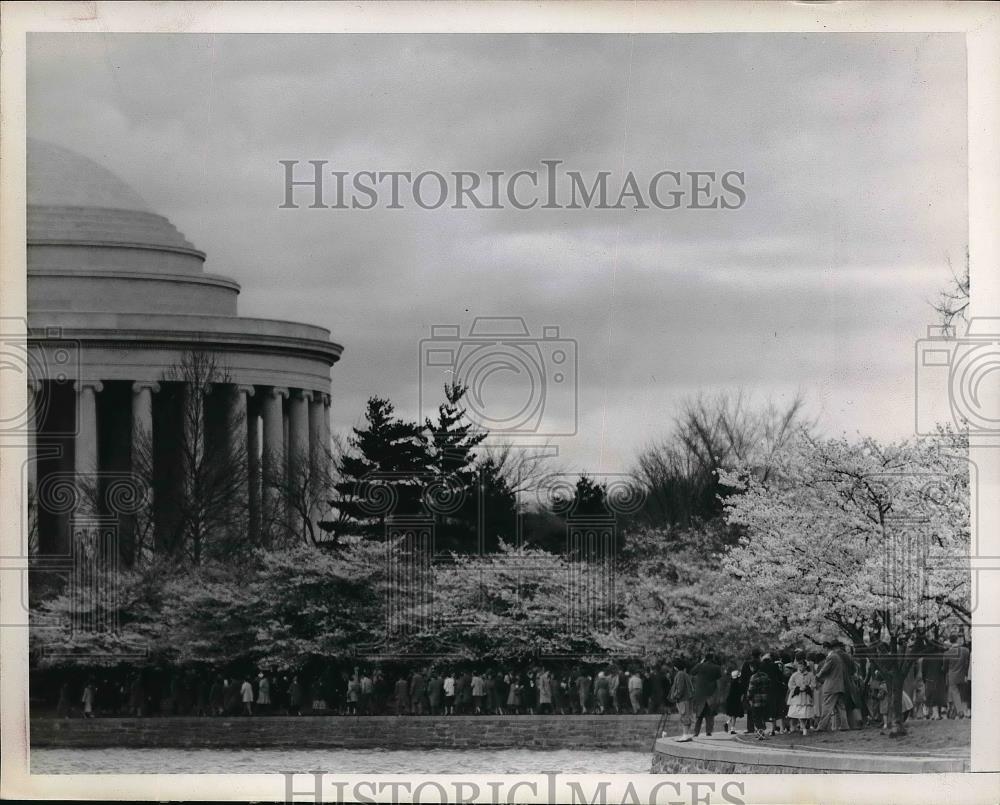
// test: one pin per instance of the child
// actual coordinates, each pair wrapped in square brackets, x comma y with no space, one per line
[758,696]
[801,687]
[734,702]
[880,695]
[919,705]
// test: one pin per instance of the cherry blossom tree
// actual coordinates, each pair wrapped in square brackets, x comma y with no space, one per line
[871,539]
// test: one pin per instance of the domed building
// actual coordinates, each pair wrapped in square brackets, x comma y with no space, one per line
[117,300]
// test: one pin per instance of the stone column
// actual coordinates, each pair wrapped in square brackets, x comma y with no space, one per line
[253,462]
[86,426]
[317,448]
[324,430]
[274,448]
[237,443]
[31,424]
[85,449]
[141,464]
[298,430]
[142,425]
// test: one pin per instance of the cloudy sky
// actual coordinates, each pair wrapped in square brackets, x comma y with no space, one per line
[853,149]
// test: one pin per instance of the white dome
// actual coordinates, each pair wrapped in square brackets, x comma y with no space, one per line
[58,177]
[73,200]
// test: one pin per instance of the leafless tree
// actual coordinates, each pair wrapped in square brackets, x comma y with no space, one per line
[301,498]
[679,472]
[198,482]
[522,467]
[953,302]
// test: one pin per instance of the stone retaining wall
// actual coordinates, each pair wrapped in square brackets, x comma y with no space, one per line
[387,732]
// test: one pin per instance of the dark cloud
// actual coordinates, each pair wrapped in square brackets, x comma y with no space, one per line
[853,147]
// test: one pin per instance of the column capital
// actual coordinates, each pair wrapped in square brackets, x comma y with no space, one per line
[244,388]
[327,400]
[276,391]
[95,385]
[142,385]
[303,394]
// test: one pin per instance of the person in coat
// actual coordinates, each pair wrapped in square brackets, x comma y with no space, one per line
[759,700]
[833,677]
[89,694]
[602,691]
[779,690]
[583,691]
[614,683]
[246,696]
[449,695]
[635,692]
[750,667]
[367,694]
[418,694]
[435,693]
[956,672]
[463,693]
[657,689]
[681,694]
[263,693]
[544,683]
[295,697]
[705,677]
[733,703]
[492,700]
[63,707]
[402,696]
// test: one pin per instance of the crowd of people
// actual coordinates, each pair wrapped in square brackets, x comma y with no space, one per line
[773,691]
[796,691]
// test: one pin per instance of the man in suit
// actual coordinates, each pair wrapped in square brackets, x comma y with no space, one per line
[956,665]
[833,676]
[705,676]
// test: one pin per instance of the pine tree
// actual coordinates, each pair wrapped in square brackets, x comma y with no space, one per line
[498,503]
[454,497]
[381,476]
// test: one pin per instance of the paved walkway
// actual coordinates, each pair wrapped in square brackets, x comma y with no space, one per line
[734,748]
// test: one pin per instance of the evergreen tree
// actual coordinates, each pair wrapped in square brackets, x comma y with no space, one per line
[453,493]
[498,504]
[381,476]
